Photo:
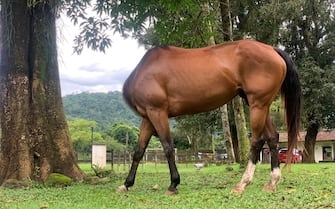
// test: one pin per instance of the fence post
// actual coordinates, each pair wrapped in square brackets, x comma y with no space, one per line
[119,161]
[112,159]
[155,160]
[124,160]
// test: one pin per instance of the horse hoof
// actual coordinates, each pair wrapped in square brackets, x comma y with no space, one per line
[122,188]
[269,188]
[168,192]
[238,189]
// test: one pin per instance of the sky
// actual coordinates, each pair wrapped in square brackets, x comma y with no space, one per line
[94,71]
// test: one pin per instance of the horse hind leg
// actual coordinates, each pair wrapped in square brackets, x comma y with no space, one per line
[146,131]
[257,120]
[272,139]
[255,148]
[160,121]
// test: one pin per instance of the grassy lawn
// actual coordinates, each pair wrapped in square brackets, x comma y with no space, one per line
[305,186]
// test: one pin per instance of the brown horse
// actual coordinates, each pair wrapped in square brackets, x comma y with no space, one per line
[171,81]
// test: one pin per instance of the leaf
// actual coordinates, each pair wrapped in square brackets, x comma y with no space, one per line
[291,190]
[323,196]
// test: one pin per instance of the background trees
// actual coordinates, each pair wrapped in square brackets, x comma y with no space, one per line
[309,36]
[104,108]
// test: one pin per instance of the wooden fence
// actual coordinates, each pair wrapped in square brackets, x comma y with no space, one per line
[121,160]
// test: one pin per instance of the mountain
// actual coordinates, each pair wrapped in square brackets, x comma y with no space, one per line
[104,108]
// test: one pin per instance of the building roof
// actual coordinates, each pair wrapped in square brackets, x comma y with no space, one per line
[324,135]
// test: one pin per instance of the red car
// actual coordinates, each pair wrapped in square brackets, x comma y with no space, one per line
[297,155]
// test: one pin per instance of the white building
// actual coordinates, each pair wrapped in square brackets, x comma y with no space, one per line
[324,146]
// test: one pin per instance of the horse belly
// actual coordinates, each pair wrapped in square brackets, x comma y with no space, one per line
[193,100]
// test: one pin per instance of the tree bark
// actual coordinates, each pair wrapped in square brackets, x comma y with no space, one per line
[310,139]
[242,133]
[226,133]
[35,138]
[244,144]
[234,138]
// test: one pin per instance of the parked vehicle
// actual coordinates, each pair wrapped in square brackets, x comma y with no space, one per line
[297,155]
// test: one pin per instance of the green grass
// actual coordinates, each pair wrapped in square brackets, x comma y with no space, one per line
[305,186]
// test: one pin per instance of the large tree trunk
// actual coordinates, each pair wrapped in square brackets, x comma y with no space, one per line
[310,139]
[35,139]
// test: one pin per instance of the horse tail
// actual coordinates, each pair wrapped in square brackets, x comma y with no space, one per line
[291,92]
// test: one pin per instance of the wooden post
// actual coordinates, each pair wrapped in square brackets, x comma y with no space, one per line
[112,159]
[118,159]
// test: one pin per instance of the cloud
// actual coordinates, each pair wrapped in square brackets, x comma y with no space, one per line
[93,78]
[95,71]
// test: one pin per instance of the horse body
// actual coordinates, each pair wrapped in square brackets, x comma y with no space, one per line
[176,78]
[172,81]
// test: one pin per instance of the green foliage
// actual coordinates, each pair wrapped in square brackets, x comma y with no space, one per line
[93,35]
[198,129]
[106,109]
[309,36]
[183,23]
[94,29]
[81,134]
[318,92]
[123,132]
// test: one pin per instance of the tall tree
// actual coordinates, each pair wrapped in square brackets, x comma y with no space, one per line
[35,138]
[309,35]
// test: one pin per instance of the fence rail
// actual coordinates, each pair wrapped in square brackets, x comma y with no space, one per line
[122,159]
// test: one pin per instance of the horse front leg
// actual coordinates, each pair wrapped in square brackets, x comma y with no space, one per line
[160,121]
[258,120]
[146,131]
[174,174]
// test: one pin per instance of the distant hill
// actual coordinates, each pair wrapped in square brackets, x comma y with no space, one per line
[104,108]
